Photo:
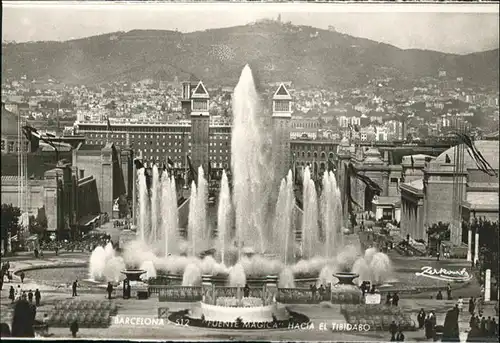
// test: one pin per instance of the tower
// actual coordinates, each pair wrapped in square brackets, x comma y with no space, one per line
[186,97]
[200,123]
[282,116]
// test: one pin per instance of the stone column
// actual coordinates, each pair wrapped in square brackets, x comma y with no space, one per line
[107,186]
[420,233]
[487,285]
[469,245]
[476,248]
[385,183]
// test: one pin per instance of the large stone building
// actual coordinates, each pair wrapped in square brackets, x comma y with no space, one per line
[445,193]
[204,138]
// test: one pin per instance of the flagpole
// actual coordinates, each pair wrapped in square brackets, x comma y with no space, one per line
[107,130]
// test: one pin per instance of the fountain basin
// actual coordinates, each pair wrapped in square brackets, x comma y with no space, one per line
[346,278]
[133,274]
[247,314]
[345,291]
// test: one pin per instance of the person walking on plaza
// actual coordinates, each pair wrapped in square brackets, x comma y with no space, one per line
[482,326]
[460,304]
[12,294]
[22,277]
[395,299]
[493,328]
[421,318]
[472,305]
[38,296]
[479,305]
[109,289]
[472,323]
[388,299]
[393,329]
[321,292]
[74,328]
[74,286]
[30,296]
[400,337]
[439,296]
[448,291]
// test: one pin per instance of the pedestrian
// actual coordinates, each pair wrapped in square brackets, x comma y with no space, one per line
[400,337]
[471,305]
[437,255]
[18,292]
[493,328]
[393,329]
[12,295]
[479,305]
[421,318]
[56,249]
[21,275]
[313,291]
[321,291]
[483,326]
[38,296]
[388,299]
[74,286]
[109,289]
[30,296]
[439,296]
[36,252]
[246,291]
[472,322]
[395,299]
[74,328]
[460,304]
[363,288]
[448,291]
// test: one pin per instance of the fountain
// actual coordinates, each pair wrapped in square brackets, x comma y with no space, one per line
[251,220]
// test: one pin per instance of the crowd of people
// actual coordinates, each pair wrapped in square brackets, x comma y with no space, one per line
[320,293]
[85,244]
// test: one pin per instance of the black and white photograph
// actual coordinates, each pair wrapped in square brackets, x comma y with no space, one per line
[250,171]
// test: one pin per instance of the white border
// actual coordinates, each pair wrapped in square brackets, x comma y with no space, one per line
[311,7]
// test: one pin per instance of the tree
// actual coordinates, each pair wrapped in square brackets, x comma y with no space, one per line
[41,217]
[10,223]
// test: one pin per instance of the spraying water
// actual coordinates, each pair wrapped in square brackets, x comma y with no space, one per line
[252,183]
[237,276]
[154,204]
[169,218]
[283,232]
[143,199]
[310,229]
[223,215]
[192,220]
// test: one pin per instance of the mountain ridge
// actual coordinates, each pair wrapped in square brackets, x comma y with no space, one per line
[305,55]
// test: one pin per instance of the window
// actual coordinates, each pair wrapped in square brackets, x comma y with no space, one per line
[387,214]
[282,105]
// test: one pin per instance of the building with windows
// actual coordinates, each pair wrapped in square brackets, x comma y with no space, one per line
[204,138]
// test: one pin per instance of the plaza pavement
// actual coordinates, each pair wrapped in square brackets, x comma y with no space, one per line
[149,308]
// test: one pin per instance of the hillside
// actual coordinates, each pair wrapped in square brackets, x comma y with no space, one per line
[305,55]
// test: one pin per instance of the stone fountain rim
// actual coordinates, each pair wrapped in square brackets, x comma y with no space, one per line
[133,271]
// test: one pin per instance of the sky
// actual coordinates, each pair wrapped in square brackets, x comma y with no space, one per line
[459,29]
